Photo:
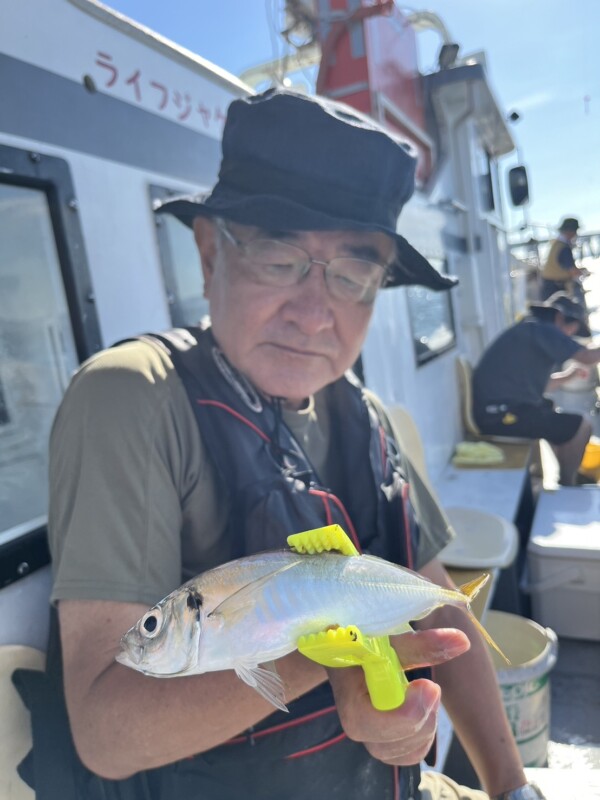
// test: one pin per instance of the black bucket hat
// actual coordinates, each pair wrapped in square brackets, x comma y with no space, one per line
[297,162]
[569,224]
[560,301]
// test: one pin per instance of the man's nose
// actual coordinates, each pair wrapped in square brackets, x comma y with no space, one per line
[309,306]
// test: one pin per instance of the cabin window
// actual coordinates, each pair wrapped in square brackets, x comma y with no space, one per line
[37,353]
[4,418]
[487,178]
[182,271]
[431,319]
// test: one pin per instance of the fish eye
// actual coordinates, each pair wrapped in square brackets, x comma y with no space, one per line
[151,623]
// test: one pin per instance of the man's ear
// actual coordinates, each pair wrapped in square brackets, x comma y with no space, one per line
[205,235]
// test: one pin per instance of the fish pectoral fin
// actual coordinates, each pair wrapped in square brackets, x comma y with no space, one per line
[244,598]
[266,680]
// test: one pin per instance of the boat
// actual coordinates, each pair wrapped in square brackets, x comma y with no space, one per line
[102,119]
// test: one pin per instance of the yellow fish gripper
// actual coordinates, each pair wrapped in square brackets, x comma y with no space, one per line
[347,646]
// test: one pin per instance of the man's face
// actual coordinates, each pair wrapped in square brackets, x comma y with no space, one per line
[289,341]
[570,327]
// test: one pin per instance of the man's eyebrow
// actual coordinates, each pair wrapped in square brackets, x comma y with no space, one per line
[267,233]
[369,252]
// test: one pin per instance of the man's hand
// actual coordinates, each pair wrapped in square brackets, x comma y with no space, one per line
[575,370]
[402,736]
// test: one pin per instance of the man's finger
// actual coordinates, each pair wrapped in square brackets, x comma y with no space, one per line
[429,647]
[398,741]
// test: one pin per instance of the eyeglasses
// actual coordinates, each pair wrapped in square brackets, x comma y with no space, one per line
[272,262]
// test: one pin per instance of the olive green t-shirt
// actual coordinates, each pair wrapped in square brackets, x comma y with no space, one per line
[135,505]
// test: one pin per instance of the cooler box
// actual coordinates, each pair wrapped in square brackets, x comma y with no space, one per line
[563,557]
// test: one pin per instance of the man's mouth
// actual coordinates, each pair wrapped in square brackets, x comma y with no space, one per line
[297,351]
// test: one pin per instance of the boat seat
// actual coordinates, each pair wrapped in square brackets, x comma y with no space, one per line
[15,726]
[465,385]
[483,540]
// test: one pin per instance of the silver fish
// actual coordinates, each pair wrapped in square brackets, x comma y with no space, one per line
[252,611]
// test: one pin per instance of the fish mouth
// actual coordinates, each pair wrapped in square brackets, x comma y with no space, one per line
[130,656]
[134,661]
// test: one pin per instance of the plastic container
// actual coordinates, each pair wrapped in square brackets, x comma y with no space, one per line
[590,463]
[563,562]
[483,540]
[525,683]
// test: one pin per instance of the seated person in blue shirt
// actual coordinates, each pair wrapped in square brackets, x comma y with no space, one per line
[520,366]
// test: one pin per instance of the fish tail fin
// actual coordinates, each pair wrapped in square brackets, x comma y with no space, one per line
[470,590]
[487,637]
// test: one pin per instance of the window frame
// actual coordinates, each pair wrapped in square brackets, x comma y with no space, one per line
[27,551]
[50,174]
[427,357]
[176,311]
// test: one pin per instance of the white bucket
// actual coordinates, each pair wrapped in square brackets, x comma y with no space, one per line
[525,683]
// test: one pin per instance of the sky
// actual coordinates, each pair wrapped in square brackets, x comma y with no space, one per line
[542,61]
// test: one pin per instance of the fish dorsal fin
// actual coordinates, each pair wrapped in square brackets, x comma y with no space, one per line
[472,588]
[242,599]
[266,680]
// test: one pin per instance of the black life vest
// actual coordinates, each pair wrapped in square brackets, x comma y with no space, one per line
[274,491]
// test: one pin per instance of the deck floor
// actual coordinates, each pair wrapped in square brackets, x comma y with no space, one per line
[575,717]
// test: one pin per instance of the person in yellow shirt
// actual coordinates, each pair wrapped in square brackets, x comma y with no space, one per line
[560,272]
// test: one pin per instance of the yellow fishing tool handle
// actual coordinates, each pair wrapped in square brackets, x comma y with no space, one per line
[348,647]
[385,679]
[325,539]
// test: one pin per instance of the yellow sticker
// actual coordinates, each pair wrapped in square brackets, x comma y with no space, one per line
[509,419]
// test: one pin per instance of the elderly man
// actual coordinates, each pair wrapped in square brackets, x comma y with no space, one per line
[148,488]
